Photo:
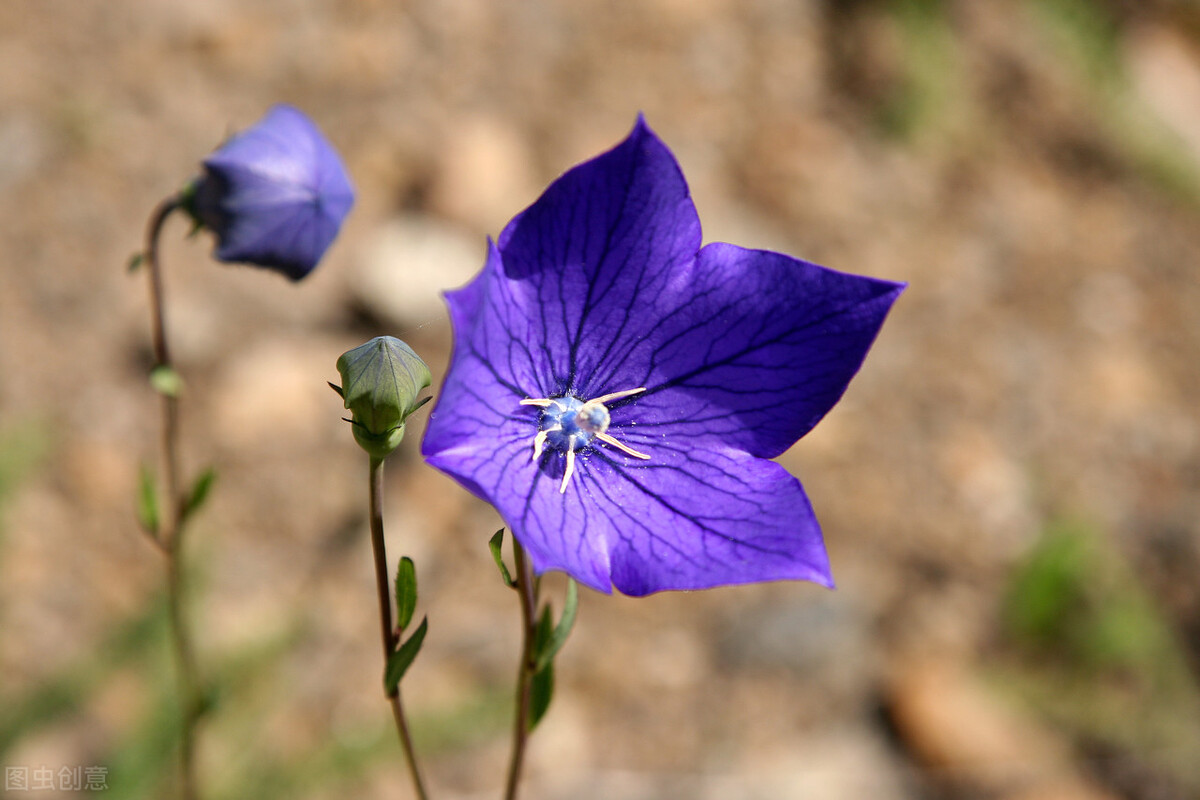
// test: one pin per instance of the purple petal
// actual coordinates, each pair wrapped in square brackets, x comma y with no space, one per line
[755,348]
[747,346]
[693,518]
[596,246]
[276,194]
[689,519]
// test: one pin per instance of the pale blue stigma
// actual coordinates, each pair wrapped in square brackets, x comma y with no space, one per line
[569,424]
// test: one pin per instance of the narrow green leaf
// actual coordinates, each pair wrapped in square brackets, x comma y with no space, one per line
[199,493]
[542,686]
[166,381]
[401,660]
[147,507]
[548,649]
[337,389]
[406,591]
[494,545]
[135,262]
[541,693]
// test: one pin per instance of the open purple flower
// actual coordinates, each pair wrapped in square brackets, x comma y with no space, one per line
[275,195]
[617,391]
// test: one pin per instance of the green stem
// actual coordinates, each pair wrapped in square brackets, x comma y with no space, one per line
[170,539]
[181,645]
[526,586]
[386,629]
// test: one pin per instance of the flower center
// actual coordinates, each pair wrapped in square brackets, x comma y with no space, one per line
[569,424]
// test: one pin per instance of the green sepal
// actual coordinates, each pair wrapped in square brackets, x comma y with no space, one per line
[541,687]
[199,493]
[337,389]
[548,649]
[147,505]
[166,380]
[399,661]
[135,262]
[380,445]
[494,544]
[406,592]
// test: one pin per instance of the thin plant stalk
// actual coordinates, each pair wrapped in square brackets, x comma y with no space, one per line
[387,631]
[169,537]
[527,589]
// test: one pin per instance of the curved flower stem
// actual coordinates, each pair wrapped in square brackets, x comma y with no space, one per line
[386,629]
[526,586]
[162,359]
[169,537]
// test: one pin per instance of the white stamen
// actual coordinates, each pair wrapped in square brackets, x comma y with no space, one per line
[539,444]
[604,437]
[567,472]
[541,402]
[608,398]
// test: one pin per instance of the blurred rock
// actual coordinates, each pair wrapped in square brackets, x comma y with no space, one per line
[485,174]
[970,742]
[408,263]
[22,148]
[1166,73]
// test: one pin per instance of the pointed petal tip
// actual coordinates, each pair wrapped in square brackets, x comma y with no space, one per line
[642,132]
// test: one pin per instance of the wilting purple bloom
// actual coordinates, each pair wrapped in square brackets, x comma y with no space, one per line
[617,391]
[275,195]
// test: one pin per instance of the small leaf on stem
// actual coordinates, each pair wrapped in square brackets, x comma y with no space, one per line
[337,389]
[549,648]
[198,494]
[399,661]
[135,262]
[147,507]
[166,381]
[406,592]
[541,688]
[494,545]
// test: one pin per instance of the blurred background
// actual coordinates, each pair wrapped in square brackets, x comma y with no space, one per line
[1010,489]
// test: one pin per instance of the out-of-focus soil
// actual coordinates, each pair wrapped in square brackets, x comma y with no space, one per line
[1035,185]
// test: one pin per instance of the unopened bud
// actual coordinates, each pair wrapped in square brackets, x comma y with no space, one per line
[381,381]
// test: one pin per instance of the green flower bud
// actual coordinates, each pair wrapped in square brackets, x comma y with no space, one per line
[380,383]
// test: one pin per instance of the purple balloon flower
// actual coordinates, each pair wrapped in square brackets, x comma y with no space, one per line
[617,391]
[275,195]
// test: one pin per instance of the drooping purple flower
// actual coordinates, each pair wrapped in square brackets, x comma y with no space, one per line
[275,195]
[617,391]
